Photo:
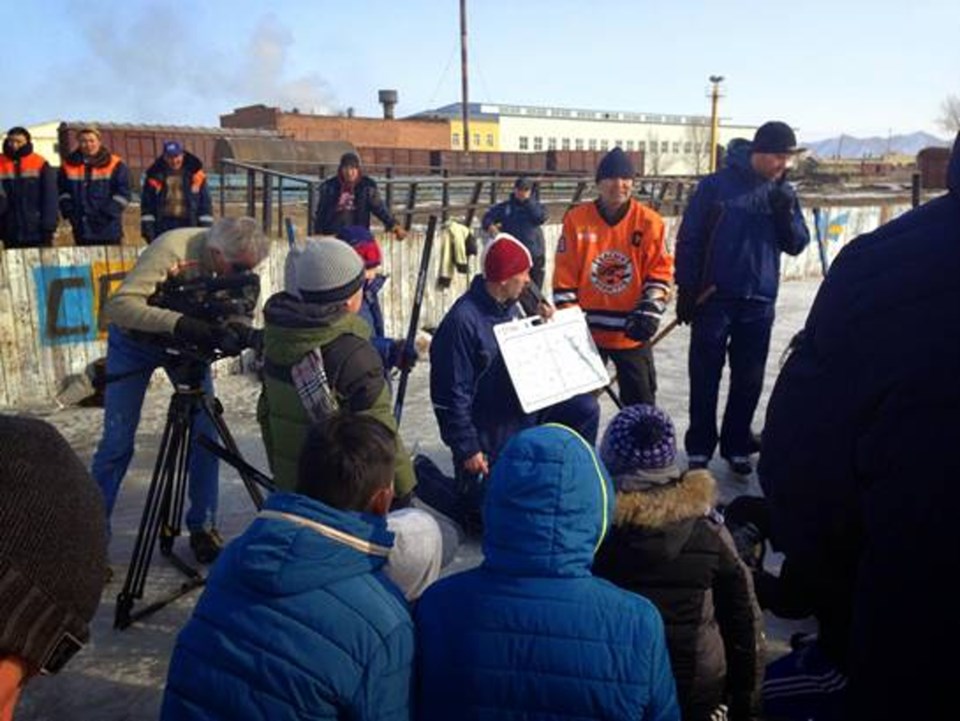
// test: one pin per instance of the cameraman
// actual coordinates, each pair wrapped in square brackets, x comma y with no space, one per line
[135,348]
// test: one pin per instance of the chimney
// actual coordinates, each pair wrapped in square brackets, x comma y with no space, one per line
[388,98]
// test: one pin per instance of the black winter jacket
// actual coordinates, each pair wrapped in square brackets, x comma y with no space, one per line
[30,184]
[665,546]
[196,195]
[366,200]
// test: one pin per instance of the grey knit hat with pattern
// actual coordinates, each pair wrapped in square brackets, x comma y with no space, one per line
[328,271]
[53,545]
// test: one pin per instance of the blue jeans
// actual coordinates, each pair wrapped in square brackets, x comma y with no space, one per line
[122,405]
[742,329]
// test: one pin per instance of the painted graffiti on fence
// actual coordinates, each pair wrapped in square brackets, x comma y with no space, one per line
[70,299]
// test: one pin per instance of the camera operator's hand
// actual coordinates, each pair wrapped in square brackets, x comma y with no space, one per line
[247,336]
[198,332]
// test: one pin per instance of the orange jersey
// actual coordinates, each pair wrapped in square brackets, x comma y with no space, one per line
[606,269]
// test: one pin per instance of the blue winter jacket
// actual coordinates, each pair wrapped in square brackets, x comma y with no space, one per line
[94,192]
[297,621]
[860,430]
[371,312]
[521,219]
[531,633]
[471,391]
[727,236]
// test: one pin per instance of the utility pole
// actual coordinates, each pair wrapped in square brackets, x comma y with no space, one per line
[465,100]
[715,81]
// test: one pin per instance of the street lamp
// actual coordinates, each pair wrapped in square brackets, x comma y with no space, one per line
[715,80]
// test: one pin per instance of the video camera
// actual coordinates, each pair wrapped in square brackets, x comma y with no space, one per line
[218,300]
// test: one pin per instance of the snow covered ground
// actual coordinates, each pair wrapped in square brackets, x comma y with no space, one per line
[120,674]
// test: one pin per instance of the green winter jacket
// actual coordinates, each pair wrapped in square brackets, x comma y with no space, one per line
[354,371]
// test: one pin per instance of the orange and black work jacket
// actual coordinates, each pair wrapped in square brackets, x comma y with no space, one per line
[94,192]
[606,269]
[30,184]
[196,196]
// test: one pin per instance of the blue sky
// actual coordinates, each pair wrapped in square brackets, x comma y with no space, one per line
[864,68]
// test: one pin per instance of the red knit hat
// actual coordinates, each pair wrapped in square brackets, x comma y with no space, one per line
[505,257]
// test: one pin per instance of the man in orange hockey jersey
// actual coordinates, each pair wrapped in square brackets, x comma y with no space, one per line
[612,261]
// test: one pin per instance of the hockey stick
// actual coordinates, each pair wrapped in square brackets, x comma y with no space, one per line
[701,299]
[415,314]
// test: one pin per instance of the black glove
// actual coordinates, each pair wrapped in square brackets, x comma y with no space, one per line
[780,199]
[147,230]
[196,332]
[642,323]
[686,305]
[402,356]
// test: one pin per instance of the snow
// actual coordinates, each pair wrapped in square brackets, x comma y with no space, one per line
[120,674]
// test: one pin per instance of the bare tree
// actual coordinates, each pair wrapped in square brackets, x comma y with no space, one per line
[699,136]
[653,157]
[950,114]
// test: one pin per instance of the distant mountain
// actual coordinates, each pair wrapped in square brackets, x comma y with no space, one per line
[847,146]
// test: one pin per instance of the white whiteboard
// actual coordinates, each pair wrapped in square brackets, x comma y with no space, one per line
[551,361]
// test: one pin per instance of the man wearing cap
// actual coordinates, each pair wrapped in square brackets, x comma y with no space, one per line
[349,198]
[738,222]
[320,314]
[175,193]
[30,184]
[473,397]
[94,191]
[53,554]
[612,261]
[521,215]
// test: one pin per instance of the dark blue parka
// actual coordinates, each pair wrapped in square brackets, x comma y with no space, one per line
[521,219]
[94,192]
[856,458]
[30,184]
[472,394]
[297,621]
[727,236]
[531,633]
[196,196]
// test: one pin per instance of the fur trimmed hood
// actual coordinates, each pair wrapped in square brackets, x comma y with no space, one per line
[693,495]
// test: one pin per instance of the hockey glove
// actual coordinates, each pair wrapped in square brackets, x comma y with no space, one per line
[642,323]
[686,305]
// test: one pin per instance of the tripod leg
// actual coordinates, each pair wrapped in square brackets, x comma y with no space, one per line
[213,408]
[150,520]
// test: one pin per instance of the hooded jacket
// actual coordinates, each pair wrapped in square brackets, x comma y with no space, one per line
[94,192]
[855,462]
[297,621]
[727,237]
[153,197]
[30,184]
[292,329]
[366,200]
[665,546]
[532,633]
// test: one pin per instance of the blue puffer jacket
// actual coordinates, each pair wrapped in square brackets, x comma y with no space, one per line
[859,434]
[521,219]
[727,236]
[531,633]
[371,312]
[471,391]
[296,622]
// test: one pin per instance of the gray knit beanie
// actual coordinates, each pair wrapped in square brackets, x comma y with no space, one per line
[53,545]
[328,270]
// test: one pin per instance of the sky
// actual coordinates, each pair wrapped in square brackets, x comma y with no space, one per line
[865,68]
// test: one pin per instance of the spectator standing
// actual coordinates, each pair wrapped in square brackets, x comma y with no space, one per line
[738,222]
[175,193]
[30,184]
[94,191]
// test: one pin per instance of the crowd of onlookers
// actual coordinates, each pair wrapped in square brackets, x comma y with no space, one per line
[612,585]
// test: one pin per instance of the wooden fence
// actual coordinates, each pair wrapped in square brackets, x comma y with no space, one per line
[50,298]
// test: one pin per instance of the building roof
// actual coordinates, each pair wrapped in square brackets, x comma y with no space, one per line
[492,111]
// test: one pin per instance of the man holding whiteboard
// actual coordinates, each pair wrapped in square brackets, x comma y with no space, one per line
[473,397]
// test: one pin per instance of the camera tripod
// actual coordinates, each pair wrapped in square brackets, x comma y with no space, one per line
[163,510]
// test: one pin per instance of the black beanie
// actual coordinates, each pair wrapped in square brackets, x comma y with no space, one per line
[53,545]
[17,130]
[615,164]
